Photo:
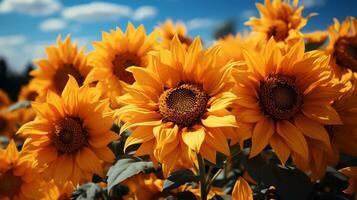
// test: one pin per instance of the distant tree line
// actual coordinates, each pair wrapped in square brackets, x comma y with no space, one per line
[10,81]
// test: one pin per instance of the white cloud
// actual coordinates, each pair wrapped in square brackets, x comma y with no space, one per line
[246,14]
[53,25]
[18,53]
[12,40]
[144,12]
[96,11]
[198,23]
[30,7]
[312,3]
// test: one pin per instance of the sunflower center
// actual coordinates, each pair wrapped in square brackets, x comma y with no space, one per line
[31,96]
[68,135]
[3,123]
[183,105]
[279,97]
[123,61]
[61,76]
[346,52]
[10,185]
[279,30]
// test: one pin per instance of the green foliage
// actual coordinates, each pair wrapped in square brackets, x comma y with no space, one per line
[88,191]
[18,105]
[178,178]
[289,182]
[126,168]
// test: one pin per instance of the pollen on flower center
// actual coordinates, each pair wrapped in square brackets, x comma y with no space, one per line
[183,105]
[346,52]
[10,185]
[61,76]
[68,135]
[279,97]
[3,123]
[123,61]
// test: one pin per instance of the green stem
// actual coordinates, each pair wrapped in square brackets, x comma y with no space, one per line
[203,183]
[213,178]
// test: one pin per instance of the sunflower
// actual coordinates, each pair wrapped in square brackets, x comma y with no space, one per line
[242,190]
[18,180]
[116,52]
[351,172]
[4,99]
[316,37]
[149,186]
[343,46]
[178,105]
[63,60]
[55,192]
[285,101]
[7,123]
[280,20]
[27,93]
[232,45]
[168,30]
[70,134]
[344,137]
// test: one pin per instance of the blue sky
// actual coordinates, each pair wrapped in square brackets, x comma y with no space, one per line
[26,26]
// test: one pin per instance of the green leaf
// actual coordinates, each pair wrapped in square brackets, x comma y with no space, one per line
[310,46]
[87,191]
[178,178]
[18,105]
[126,168]
[290,183]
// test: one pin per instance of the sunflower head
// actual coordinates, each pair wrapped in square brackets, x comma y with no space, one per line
[169,29]
[115,53]
[28,93]
[344,137]
[179,105]
[232,46]
[18,180]
[343,46]
[279,20]
[4,99]
[70,135]
[285,101]
[63,59]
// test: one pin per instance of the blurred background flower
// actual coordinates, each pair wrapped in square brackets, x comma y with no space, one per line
[27,26]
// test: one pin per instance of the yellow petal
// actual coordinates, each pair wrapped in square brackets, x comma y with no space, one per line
[293,138]
[324,114]
[262,132]
[312,129]
[216,139]
[280,148]
[208,153]
[216,121]
[193,137]
[139,135]
[63,169]
[242,190]
[88,161]
[70,96]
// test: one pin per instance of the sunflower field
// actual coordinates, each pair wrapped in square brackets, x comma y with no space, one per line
[269,114]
